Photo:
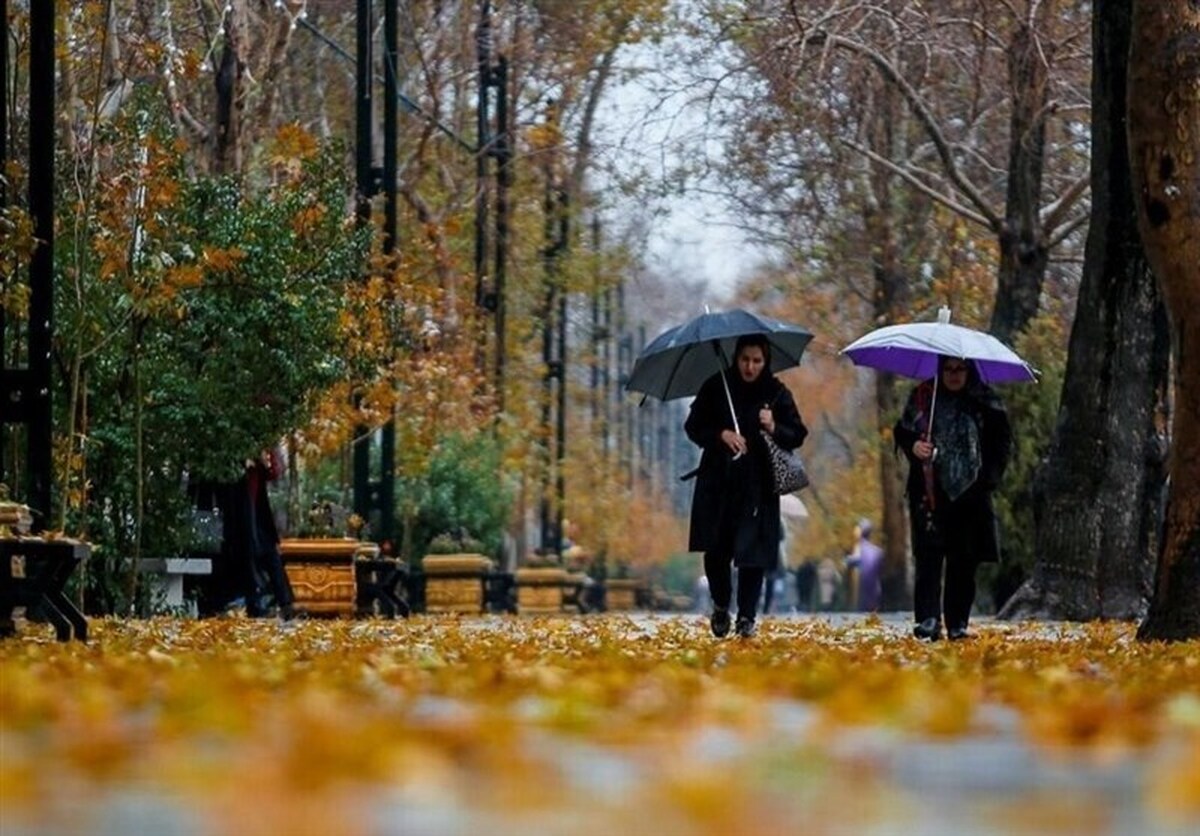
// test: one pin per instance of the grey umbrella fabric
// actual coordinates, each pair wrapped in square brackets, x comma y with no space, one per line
[677,362]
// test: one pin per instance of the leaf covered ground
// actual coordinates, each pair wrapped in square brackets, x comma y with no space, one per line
[595,725]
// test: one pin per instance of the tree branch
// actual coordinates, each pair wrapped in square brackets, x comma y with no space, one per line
[1056,211]
[993,219]
[947,201]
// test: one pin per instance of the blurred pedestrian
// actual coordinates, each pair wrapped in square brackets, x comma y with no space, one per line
[867,561]
[773,582]
[735,510]
[829,585]
[251,538]
[806,582]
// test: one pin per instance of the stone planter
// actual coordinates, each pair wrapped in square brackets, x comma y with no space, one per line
[455,582]
[321,572]
[540,590]
[621,594]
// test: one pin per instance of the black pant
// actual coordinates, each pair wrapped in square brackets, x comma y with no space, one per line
[719,570]
[930,601]
[268,567]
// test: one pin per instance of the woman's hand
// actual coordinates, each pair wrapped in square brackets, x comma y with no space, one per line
[734,441]
[767,418]
[923,450]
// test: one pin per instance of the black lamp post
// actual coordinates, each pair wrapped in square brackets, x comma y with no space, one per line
[25,392]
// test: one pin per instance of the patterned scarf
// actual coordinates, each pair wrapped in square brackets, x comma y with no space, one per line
[955,434]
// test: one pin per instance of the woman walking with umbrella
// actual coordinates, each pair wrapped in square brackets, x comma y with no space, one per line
[735,510]
[956,435]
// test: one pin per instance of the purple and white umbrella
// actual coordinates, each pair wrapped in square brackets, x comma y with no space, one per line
[912,350]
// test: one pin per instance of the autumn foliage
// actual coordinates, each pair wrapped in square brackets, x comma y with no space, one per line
[594,725]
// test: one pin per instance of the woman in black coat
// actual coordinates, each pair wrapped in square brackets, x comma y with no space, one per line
[735,511]
[951,478]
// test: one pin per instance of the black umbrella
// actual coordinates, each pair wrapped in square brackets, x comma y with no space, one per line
[677,362]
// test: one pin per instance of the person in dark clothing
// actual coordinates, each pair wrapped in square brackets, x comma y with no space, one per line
[735,511]
[953,471]
[251,539]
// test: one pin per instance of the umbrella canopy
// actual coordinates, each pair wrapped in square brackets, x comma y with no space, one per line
[677,362]
[912,350]
[792,507]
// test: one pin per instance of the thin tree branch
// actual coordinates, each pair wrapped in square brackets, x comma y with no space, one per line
[949,202]
[926,118]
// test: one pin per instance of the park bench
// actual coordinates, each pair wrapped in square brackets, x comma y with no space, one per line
[33,574]
[165,577]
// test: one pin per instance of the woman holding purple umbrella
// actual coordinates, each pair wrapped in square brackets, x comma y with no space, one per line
[735,510]
[954,467]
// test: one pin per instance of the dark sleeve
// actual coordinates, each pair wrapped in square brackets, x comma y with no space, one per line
[709,415]
[997,446]
[905,436]
[790,431]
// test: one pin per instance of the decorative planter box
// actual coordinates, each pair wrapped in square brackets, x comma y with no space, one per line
[540,590]
[455,582]
[621,593]
[321,572]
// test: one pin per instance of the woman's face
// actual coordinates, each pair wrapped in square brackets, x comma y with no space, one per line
[954,374]
[750,362]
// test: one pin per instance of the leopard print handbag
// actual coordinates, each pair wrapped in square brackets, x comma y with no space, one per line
[787,471]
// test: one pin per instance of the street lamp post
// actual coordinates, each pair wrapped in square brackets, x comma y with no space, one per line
[25,392]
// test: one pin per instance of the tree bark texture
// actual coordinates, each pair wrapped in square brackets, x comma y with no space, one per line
[887,216]
[231,95]
[891,295]
[1024,251]
[1164,140]
[1098,493]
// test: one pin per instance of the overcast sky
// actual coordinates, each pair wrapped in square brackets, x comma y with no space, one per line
[637,129]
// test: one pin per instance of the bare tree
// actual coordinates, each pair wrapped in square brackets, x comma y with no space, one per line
[1041,46]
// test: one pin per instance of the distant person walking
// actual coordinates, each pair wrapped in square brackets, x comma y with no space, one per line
[867,561]
[252,540]
[952,474]
[735,511]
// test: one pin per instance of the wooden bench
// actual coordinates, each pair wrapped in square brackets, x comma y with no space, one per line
[165,576]
[33,573]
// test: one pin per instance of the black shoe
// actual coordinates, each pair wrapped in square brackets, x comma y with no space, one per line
[719,621]
[745,627]
[929,629]
[956,634]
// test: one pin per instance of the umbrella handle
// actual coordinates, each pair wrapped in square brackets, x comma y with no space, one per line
[932,407]
[927,465]
[729,399]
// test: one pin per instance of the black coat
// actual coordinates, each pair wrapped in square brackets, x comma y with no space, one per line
[965,526]
[735,510]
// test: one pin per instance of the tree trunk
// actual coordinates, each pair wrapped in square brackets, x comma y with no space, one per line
[1164,140]
[1097,493]
[231,97]
[891,295]
[886,216]
[1024,252]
